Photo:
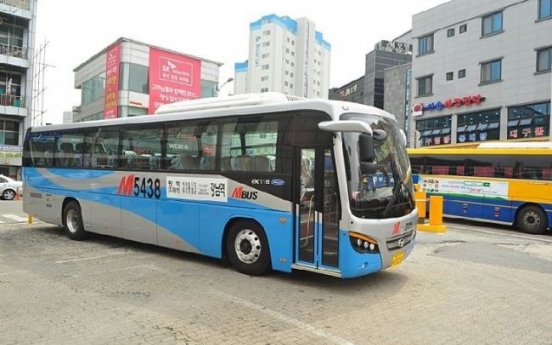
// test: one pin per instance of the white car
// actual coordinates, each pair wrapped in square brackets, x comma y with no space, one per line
[9,187]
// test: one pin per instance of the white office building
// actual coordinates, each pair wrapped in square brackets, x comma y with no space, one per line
[17,49]
[481,70]
[285,55]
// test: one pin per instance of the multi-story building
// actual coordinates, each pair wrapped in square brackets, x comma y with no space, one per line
[385,55]
[130,78]
[17,40]
[482,71]
[351,92]
[398,87]
[285,55]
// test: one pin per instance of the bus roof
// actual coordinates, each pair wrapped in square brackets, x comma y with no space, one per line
[478,151]
[243,105]
[518,145]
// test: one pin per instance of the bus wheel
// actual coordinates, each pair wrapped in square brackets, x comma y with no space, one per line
[532,219]
[247,248]
[72,221]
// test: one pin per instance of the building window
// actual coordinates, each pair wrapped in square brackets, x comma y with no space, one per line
[491,71]
[544,59]
[264,89]
[461,73]
[425,86]
[478,126]
[434,131]
[425,44]
[266,32]
[450,32]
[266,44]
[492,24]
[529,121]
[9,133]
[264,78]
[134,77]
[463,28]
[92,89]
[545,9]
[291,74]
[265,55]
[264,67]
[450,75]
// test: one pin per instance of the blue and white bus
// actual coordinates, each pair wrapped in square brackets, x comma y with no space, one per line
[268,181]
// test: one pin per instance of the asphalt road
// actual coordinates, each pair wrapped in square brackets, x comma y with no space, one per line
[471,285]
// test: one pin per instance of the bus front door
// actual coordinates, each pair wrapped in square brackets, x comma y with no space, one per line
[317,210]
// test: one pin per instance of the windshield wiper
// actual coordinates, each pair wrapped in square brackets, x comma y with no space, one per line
[397,188]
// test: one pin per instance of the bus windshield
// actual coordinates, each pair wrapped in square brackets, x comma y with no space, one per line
[387,191]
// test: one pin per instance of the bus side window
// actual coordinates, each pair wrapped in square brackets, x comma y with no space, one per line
[547,174]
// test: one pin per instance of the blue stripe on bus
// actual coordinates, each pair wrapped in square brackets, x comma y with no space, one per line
[498,210]
[277,224]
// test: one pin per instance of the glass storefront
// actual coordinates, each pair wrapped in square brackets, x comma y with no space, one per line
[478,126]
[529,121]
[435,131]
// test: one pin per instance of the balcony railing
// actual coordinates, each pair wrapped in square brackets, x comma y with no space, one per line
[13,50]
[24,4]
[12,101]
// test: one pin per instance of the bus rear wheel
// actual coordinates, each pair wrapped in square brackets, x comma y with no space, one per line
[72,222]
[532,219]
[247,248]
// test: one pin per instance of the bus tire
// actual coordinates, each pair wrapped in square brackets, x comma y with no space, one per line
[72,222]
[247,248]
[532,219]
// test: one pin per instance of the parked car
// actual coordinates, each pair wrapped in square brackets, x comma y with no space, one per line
[9,187]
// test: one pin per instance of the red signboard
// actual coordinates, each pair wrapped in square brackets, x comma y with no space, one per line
[113,59]
[172,78]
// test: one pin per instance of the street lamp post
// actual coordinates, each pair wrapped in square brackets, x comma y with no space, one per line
[217,92]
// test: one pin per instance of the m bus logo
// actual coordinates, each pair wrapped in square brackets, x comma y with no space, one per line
[239,193]
[126,185]
[397,228]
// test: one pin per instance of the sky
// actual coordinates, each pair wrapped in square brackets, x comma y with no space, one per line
[72,31]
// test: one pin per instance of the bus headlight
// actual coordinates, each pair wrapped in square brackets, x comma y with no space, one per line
[363,244]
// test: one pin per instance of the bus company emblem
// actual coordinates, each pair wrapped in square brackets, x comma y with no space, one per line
[278,182]
[401,243]
[239,193]
[126,185]
[396,228]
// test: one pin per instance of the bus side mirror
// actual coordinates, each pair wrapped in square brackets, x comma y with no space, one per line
[366,143]
[367,168]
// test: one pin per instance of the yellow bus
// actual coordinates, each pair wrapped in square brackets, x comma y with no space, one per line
[499,183]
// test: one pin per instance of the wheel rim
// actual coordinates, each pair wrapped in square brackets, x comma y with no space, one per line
[9,195]
[531,220]
[72,221]
[247,246]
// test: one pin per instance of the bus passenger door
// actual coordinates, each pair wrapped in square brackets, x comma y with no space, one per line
[317,209]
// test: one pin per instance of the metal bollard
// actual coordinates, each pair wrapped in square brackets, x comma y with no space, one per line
[420,198]
[435,223]
[30,219]
[436,207]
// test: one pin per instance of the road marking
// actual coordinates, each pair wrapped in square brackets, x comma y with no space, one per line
[92,257]
[14,217]
[1,222]
[299,324]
